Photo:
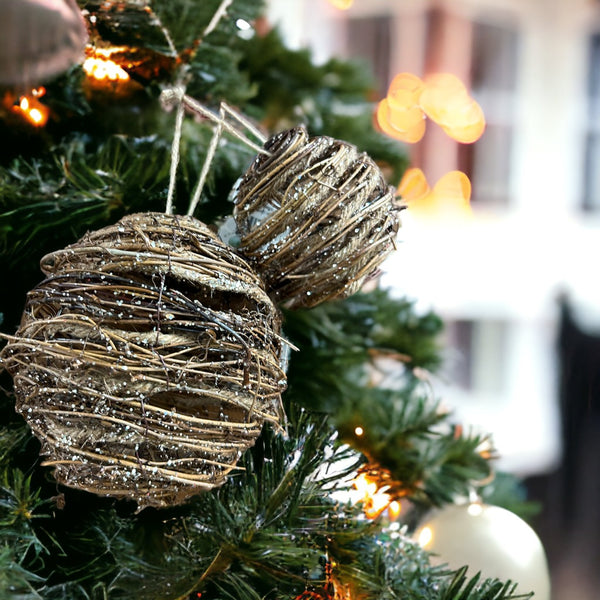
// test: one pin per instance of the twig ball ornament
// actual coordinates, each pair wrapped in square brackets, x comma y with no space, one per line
[39,39]
[147,360]
[490,540]
[315,218]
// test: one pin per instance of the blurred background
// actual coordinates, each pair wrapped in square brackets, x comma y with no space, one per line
[516,282]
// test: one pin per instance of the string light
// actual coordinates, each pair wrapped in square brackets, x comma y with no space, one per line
[425,537]
[100,66]
[394,509]
[108,72]
[375,499]
[32,109]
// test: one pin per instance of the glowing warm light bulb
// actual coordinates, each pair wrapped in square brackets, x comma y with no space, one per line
[394,509]
[359,431]
[360,483]
[374,500]
[475,509]
[104,69]
[36,116]
[378,503]
[33,110]
[425,537]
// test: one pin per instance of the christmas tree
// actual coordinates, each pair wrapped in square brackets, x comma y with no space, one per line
[191,402]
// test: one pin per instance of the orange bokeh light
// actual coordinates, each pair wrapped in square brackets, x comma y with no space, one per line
[454,185]
[403,101]
[404,125]
[413,185]
[399,114]
[469,124]
[100,66]
[442,97]
[406,85]
[449,196]
[32,109]
[394,510]
[445,101]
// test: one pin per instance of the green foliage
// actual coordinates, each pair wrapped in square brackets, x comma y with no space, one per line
[16,583]
[85,183]
[348,333]
[187,19]
[291,87]
[269,533]
[343,345]
[462,588]
[330,99]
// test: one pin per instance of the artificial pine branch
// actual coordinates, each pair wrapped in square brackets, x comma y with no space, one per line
[402,428]
[460,587]
[331,99]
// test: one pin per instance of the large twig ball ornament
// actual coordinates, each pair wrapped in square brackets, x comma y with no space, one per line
[315,218]
[147,360]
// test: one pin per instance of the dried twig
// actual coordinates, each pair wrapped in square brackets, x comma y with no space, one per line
[316,218]
[148,360]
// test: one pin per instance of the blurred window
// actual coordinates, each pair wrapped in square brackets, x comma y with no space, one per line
[369,38]
[477,360]
[591,196]
[494,60]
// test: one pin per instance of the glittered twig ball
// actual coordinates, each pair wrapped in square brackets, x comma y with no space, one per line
[147,361]
[315,218]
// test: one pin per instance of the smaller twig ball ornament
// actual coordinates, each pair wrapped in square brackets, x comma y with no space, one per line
[490,540]
[147,360]
[315,218]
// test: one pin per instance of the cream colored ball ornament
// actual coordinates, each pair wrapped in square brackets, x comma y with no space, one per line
[491,540]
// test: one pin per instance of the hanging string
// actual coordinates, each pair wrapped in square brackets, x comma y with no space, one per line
[210,153]
[164,30]
[175,151]
[240,118]
[198,108]
[225,4]
[176,95]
